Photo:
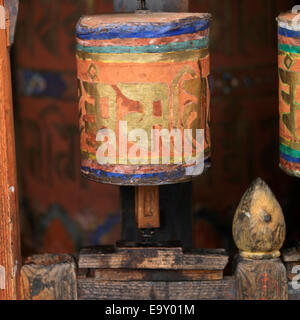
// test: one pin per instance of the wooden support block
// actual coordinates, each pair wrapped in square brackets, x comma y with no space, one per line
[10,252]
[147,207]
[105,257]
[261,280]
[259,232]
[49,277]
[89,289]
[161,272]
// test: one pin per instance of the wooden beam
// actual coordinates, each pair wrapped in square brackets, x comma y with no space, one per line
[89,289]
[10,254]
[167,258]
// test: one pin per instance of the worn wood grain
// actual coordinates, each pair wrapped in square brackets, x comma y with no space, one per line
[156,275]
[152,258]
[90,289]
[261,280]
[49,277]
[147,207]
[10,254]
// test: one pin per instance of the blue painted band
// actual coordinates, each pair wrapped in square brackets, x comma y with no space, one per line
[112,31]
[160,177]
[289,158]
[123,176]
[170,47]
[288,33]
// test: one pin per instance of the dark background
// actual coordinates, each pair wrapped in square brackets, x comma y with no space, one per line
[62,212]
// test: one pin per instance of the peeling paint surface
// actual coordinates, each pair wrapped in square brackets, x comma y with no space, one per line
[15,267]
[2,18]
[2,278]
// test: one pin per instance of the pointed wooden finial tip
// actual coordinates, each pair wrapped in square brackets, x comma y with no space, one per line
[259,182]
[258,224]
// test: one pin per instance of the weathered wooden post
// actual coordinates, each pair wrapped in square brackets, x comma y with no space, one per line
[259,233]
[10,254]
[49,277]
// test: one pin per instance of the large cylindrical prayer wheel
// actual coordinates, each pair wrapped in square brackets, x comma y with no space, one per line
[289,91]
[144,97]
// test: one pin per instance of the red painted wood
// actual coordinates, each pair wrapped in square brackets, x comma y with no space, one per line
[10,255]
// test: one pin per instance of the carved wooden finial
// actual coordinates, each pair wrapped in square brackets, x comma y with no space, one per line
[259,233]
[258,225]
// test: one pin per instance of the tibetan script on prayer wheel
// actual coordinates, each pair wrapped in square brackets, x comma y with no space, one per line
[144,97]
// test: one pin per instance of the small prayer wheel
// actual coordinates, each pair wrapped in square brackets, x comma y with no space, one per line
[289,91]
[144,97]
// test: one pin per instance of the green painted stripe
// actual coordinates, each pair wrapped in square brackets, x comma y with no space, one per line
[289,48]
[170,47]
[285,149]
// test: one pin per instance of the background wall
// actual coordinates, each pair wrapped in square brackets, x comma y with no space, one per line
[62,212]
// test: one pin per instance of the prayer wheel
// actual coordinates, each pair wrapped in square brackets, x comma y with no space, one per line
[144,97]
[289,92]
